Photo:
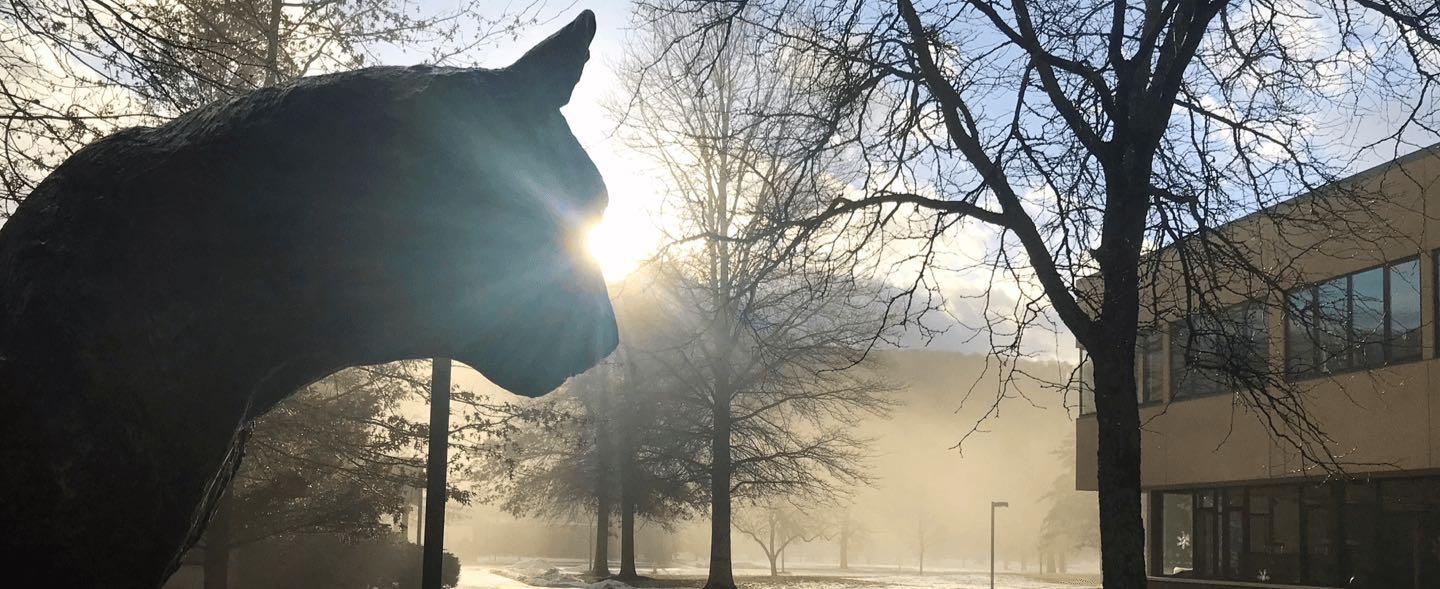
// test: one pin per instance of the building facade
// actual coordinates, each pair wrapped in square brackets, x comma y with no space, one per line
[1229,503]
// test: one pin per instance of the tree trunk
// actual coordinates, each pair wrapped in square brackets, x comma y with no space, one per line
[721,574]
[272,43]
[589,543]
[771,552]
[627,533]
[600,568]
[845,543]
[922,545]
[1122,536]
[217,545]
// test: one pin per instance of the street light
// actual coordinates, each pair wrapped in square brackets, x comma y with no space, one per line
[993,505]
[433,556]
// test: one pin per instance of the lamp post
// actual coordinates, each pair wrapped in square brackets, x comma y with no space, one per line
[433,557]
[993,505]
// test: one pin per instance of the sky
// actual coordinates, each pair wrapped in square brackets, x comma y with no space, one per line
[628,233]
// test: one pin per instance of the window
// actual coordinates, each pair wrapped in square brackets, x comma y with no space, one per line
[1358,530]
[1332,316]
[1300,353]
[1357,321]
[1382,533]
[1212,354]
[1274,550]
[1321,549]
[1403,284]
[1177,539]
[1409,536]
[1367,308]
[1150,360]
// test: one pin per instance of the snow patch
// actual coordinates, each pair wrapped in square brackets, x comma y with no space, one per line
[608,584]
[538,572]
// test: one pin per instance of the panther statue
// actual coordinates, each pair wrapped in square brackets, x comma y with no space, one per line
[165,285]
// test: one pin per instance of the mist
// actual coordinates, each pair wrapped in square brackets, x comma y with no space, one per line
[954,441]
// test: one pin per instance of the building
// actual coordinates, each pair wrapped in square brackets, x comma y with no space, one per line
[1228,504]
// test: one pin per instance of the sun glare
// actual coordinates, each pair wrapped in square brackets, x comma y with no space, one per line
[619,243]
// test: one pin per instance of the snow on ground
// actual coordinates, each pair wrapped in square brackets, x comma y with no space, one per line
[531,573]
[482,578]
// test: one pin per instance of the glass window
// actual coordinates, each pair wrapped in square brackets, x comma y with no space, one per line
[1211,355]
[1300,349]
[1409,533]
[1177,540]
[1404,287]
[1367,324]
[1362,320]
[1192,361]
[1274,550]
[1253,322]
[1382,535]
[1234,537]
[1207,535]
[1322,549]
[1332,307]
[1359,533]
[1151,363]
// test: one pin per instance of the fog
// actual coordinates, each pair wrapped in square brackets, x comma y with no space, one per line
[949,448]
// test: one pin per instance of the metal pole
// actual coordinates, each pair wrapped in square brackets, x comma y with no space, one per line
[431,567]
[993,505]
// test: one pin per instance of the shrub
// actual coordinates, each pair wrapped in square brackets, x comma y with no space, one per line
[325,562]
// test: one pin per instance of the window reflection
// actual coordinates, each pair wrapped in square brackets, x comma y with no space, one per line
[1379,534]
[1213,354]
[1362,320]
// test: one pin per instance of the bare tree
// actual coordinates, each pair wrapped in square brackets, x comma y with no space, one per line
[761,335]
[613,443]
[557,464]
[71,72]
[851,533]
[927,532]
[652,454]
[1070,524]
[1080,135]
[774,524]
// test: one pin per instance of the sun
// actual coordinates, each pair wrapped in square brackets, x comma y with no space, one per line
[620,242]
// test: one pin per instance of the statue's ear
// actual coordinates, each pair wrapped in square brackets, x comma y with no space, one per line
[552,68]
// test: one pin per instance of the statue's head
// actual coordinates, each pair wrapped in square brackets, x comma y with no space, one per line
[545,314]
[530,306]
[452,210]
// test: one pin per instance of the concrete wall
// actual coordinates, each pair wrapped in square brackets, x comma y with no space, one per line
[1380,420]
